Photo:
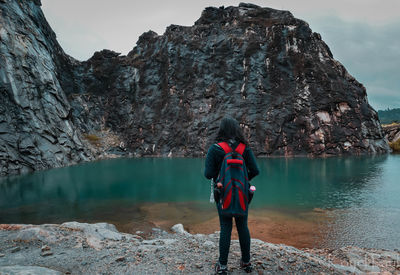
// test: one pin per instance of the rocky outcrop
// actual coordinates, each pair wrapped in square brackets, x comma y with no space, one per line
[81,248]
[36,128]
[167,96]
[392,132]
[263,66]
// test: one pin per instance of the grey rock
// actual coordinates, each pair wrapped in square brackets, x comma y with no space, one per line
[368,268]
[35,233]
[27,270]
[2,255]
[45,248]
[34,106]
[46,253]
[100,231]
[209,244]
[15,249]
[120,259]
[347,269]
[178,228]
[291,260]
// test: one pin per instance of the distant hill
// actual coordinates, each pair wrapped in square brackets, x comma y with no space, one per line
[389,115]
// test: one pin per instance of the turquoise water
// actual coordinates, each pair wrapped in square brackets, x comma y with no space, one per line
[360,195]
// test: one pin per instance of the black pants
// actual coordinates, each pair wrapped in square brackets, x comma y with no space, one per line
[225,237]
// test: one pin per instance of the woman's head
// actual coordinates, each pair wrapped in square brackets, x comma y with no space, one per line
[229,129]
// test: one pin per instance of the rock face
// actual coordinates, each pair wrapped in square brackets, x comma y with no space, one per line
[392,132]
[167,96]
[36,128]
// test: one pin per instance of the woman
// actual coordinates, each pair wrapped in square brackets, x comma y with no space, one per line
[230,132]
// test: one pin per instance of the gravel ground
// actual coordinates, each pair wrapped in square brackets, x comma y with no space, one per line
[80,248]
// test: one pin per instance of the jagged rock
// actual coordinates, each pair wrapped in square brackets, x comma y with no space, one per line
[34,109]
[167,96]
[392,132]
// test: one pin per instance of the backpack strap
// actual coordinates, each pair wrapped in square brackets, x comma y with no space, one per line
[225,146]
[240,148]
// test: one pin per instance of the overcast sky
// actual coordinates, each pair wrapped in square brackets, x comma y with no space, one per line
[364,35]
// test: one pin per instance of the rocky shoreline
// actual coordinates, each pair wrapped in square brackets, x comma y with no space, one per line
[81,248]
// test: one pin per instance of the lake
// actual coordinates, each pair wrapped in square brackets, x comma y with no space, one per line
[303,202]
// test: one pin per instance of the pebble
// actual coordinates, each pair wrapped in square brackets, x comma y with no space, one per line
[120,259]
[2,255]
[291,260]
[15,249]
[178,228]
[46,253]
[45,248]
[209,244]
[198,265]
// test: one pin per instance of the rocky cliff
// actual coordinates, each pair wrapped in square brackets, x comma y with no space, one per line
[36,127]
[167,96]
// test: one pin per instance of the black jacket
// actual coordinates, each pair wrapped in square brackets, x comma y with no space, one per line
[216,154]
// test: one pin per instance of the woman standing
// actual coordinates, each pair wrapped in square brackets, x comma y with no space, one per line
[231,133]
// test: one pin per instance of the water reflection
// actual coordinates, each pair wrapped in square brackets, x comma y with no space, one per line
[134,179]
[317,183]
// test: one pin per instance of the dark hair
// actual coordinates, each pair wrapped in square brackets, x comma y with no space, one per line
[229,129]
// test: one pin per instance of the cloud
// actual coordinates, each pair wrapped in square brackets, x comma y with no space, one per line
[368,11]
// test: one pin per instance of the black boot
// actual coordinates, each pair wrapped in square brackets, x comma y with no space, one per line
[221,269]
[246,266]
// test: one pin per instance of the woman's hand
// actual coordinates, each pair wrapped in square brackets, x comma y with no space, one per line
[219,185]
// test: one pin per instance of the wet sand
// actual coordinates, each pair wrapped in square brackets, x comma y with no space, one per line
[275,227]
[298,229]
[301,229]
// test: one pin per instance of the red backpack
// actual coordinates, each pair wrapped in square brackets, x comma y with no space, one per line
[233,176]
